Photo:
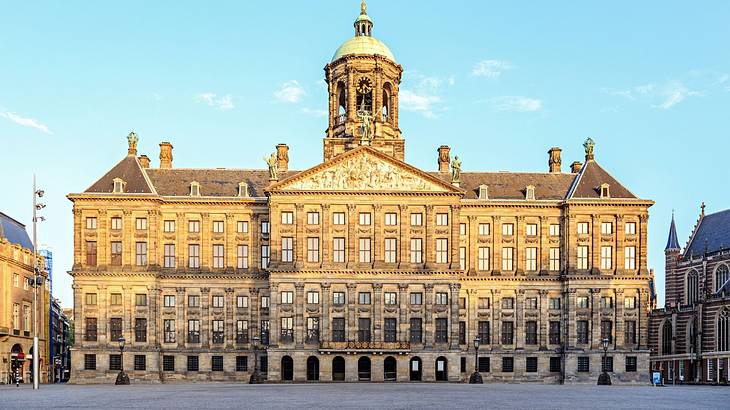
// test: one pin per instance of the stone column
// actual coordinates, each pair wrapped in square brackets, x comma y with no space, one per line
[428,339]
[429,245]
[403,259]
[454,241]
[206,245]
[230,323]
[377,312]
[641,252]
[180,310]
[497,246]
[154,315]
[620,231]
[325,257]
[300,241]
[519,245]
[596,244]
[299,325]
[403,322]
[79,245]
[454,313]
[496,319]
[472,246]
[128,247]
[544,248]
[595,318]
[643,320]
[231,251]
[569,335]
[153,233]
[569,243]
[519,327]
[205,317]
[377,242]
[472,319]
[274,322]
[544,332]
[351,237]
[618,318]
[351,319]
[324,325]
[255,303]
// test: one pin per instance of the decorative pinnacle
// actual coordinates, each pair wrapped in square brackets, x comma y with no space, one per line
[702,207]
[363,8]
[589,145]
[132,141]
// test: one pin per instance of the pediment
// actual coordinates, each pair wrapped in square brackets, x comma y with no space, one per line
[364,170]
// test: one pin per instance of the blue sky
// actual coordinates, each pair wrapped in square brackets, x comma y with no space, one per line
[500,82]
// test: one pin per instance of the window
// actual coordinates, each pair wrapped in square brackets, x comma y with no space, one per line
[607,330]
[169,329]
[484,303]
[483,365]
[265,256]
[91,223]
[605,191]
[582,331]
[168,226]
[91,329]
[417,250]
[216,363]
[218,256]
[462,332]
[16,280]
[193,364]
[115,362]
[115,299]
[606,302]
[194,256]
[242,227]
[483,258]
[630,228]
[169,255]
[507,262]
[508,303]
[218,301]
[484,229]
[115,327]
[462,257]
[217,331]
[391,298]
[242,256]
[141,253]
[338,250]
[555,365]
[630,332]
[26,283]
[219,226]
[363,298]
[554,332]
[416,219]
[530,303]
[193,226]
[442,298]
[365,250]
[287,297]
[391,219]
[442,330]
[363,329]
[312,330]
[338,298]
[442,250]
[287,249]
[442,219]
[554,230]
[365,218]
[507,332]
[606,228]
[483,332]
[416,298]
[581,302]
[582,257]
[584,364]
[140,299]
[531,364]
[391,252]
[241,363]
[287,217]
[116,253]
[483,192]
[168,301]
[168,363]
[26,318]
[530,259]
[508,229]
[554,303]
[531,332]
[630,258]
[312,218]
[607,363]
[91,299]
[606,257]
[416,330]
[194,331]
[265,301]
[692,289]
[241,301]
[338,218]
[338,329]
[89,362]
[313,249]
[630,363]
[554,259]
[313,298]
[582,228]
[91,253]
[116,223]
[141,224]
[193,301]
[391,329]
[241,331]
[508,364]
[194,189]
[462,229]
[722,274]
[140,330]
[265,227]
[531,230]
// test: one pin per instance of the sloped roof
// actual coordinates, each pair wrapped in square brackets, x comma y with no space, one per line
[129,170]
[14,232]
[213,182]
[672,241]
[512,185]
[589,180]
[713,230]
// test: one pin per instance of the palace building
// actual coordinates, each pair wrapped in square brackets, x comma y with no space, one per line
[690,336]
[361,267]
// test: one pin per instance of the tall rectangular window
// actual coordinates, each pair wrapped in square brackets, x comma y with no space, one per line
[483,332]
[630,258]
[607,330]
[416,219]
[417,250]
[630,364]
[169,329]
[484,229]
[115,299]
[364,298]
[630,228]
[194,226]
[606,257]
[508,229]
[582,261]
[442,298]
[442,250]
[531,332]
[483,258]
[287,249]
[218,256]
[338,218]
[531,364]
[508,364]
[242,302]
[531,259]
[312,218]
[218,331]
[168,226]
[554,259]
[312,330]
[338,250]
[531,230]
[241,331]
[193,301]
[582,228]
[338,298]
[630,302]
[462,258]
[581,302]
[115,362]
[115,329]
[313,297]
[391,252]
[391,219]
[242,227]
[584,364]
[216,363]
[630,332]
[442,330]
[194,256]
[116,253]
[91,253]
[507,332]
[140,329]
[91,329]
[168,301]
[242,256]
[169,258]
[218,301]
[554,303]
[141,224]
[581,327]
[168,363]
[116,223]
[554,230]
[462,229]
[554,332]
[364,250]
[265,227]
[363,329]
[313,249]
[416,298]
[287,297]
[508,303]
[390,327]
[265,256]
[462,332]
[390,298]
[193,331]
[141,253]
[338,329]
[140,299]
[365,218]
[606,228]
[89,362]
[193,364]
[287,217]
[507,261]
[241,363]
[416,330]
[442,219]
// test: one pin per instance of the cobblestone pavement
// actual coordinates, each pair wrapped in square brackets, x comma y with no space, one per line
[371,395]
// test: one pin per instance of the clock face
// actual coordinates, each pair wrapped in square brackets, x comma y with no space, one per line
[364,85]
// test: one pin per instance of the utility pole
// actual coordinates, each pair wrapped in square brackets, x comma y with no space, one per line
[37,281]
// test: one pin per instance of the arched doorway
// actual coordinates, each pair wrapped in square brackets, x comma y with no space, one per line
[390,366]
[363,369]
[312,368]
[442,374]
[338,369]
[416,369]
[287,368]
[16,365]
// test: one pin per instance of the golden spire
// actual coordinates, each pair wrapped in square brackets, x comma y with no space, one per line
[363,8]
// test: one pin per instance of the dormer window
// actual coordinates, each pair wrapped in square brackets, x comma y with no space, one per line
[483,192]
[605,191]
[242,189]
[530,193]
[194,189]
[119,185]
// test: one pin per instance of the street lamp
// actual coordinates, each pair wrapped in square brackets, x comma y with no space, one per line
[37,281]
[475,377]
[255,376]
[604,379]
[122,378]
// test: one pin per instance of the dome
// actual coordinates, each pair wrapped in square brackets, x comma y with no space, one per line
[364,45]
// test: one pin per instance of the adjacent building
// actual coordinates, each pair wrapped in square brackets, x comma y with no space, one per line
[362,267]
[60,346]
[690,336]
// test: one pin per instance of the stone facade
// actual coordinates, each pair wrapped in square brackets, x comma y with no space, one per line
[362,267]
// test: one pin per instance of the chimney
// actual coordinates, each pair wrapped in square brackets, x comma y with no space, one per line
[444,160]
[575,167]
[165,155]
[282,157]
[554,161]
[144,161]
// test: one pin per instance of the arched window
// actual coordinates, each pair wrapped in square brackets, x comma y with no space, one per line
[667,337]
[387,102]
[722,274]
[723,330]
[341,100]
[692,335]
[692,287]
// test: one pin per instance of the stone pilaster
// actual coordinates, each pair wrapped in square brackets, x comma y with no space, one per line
[300,327]
[324,325]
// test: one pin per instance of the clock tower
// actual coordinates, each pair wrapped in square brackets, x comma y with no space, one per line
[363,79]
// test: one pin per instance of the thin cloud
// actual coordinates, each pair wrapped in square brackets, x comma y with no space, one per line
[421,103]
[223,103]
[26,122]
[674,94]
[491,68]
[422,93]
[314,112]
[515,103]
[290,92]
[661,96]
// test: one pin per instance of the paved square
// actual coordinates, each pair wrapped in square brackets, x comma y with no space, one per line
[370,395]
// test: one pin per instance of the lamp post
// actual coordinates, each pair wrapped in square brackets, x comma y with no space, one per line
[604,379]
[37,281]
[255,376]
[475,377]
[122,378]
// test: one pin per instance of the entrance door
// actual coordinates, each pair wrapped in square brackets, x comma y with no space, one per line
[312,368]
[390,369]
[441,370]
[416,369]
[287,368]
[363,369]
[338,369]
